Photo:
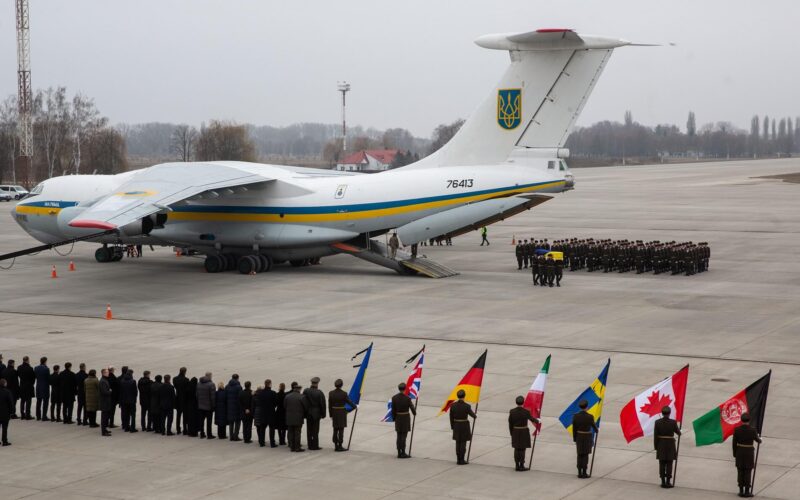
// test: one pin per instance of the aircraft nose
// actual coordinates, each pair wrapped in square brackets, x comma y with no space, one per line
[569,182]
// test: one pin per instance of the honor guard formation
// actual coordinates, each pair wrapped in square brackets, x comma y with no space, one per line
[195,405]
[547,261]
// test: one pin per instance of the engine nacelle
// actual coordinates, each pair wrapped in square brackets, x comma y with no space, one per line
[142,226]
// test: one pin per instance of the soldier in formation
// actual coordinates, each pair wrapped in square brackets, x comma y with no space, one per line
[459,424]
[337,401]
[402,408]
[664,433]
[744,439]
[583,430]
[518,419]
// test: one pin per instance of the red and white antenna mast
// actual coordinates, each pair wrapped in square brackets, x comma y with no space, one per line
[25,94]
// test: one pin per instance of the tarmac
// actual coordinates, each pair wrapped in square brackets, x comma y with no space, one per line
[731,324]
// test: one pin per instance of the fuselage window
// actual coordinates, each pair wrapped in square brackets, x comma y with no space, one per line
[551,165]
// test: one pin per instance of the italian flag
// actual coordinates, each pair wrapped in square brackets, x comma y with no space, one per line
[718,424]
[535,397]
[638,417]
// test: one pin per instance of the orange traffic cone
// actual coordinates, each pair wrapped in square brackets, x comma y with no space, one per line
[177,252]
[513,239]
[53,273]
[108,312]
[71,266]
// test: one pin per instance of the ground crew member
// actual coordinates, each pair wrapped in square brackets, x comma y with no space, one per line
[518,419]
[394,243]
[664,444]
[484,233]
[401,409]
[337,399]
[316,412]
[744,451]
[518,251]
[583,428]
[459,423]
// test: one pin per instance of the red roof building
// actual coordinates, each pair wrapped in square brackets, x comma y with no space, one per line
[368,160]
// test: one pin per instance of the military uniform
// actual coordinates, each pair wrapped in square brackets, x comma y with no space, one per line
[535,270]
[582,426]
[743,441]
[518,419]
[402,408]
[559,272]
[337,399]
[518,251]
[664,433]
[462,432]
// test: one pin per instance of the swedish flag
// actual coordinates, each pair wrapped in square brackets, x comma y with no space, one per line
[594,395]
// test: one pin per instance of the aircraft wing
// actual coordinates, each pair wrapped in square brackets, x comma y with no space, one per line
[155,188]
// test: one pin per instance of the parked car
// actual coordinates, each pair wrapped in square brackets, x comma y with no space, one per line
[17,192]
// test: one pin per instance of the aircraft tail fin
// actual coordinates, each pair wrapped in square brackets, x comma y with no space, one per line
[535,104]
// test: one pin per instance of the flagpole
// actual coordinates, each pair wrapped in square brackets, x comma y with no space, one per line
[413,422]
[469,449]
[758,445]
[596,434]
[677,455]
[533,448]
[352,428]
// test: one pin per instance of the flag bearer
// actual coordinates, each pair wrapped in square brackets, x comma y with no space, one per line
[459,423]
[582,426]
[402,408]
[744,451]
[518,419]
[664,433]
[337,399]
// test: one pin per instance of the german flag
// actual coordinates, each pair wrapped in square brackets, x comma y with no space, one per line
[470,383]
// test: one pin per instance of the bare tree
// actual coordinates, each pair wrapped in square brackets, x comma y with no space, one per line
[182,142]
[84,118]
[443,133]
[224,141]
[8,131]
[52,120]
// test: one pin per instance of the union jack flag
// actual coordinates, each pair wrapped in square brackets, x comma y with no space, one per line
[413,383]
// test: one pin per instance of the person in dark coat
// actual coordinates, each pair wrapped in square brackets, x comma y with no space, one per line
[6,408]
[155,405]
[459,423]
[167,401]
[518,419]
[280,413]
[190,412]
[583,429]
[206,399]
[12,385]
[259,419]
[221,411]
[744,439]
[402,408]
[69,391]
[27,379]
[234,407]
[267,402]
[55,394]
[143,385]
[296,411]
[106,402]
[664,433]
[181,383]
[128,394]
[113,381]
[316,412]
[91,389]
[42,372]
[80,377]
[246,404]
[337,399]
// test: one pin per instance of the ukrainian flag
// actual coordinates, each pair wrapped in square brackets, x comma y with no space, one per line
[594,395]
[358,383]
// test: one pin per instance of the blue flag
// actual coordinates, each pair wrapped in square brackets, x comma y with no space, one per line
[358,383]
[594,395]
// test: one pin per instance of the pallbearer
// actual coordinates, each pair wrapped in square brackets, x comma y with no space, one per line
[744,439]
[664,443]
[518,419]
[402,408]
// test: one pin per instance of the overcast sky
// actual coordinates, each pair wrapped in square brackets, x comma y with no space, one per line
[411,63]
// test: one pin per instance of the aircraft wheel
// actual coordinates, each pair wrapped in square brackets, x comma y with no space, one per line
[102,254]
[116,254]
[266,263]
[214,264]
[297,263]
[246,264]
[230,261]
[259,264]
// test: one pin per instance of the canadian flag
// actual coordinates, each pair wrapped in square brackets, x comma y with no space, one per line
[638,417]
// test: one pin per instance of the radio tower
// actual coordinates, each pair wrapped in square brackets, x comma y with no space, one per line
[25,95]
[344,88]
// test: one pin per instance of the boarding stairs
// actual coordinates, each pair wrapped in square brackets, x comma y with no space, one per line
[403,263]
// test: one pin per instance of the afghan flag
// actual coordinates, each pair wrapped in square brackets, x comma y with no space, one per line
[470,383]
[535,397]
[718,424]
[638,417]
[358,383]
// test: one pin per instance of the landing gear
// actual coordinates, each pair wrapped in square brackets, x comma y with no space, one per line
[247,265]
[299,263]
[214,264]
[108,254]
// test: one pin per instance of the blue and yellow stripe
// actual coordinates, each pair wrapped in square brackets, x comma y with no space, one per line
[594,395]
[44,207]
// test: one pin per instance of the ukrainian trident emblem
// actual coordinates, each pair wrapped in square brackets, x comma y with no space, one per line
[509,108]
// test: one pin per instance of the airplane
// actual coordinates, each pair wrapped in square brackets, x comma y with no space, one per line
[508,157]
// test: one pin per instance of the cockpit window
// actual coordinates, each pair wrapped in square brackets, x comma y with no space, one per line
[563,166]
[36,190]
[551,165]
